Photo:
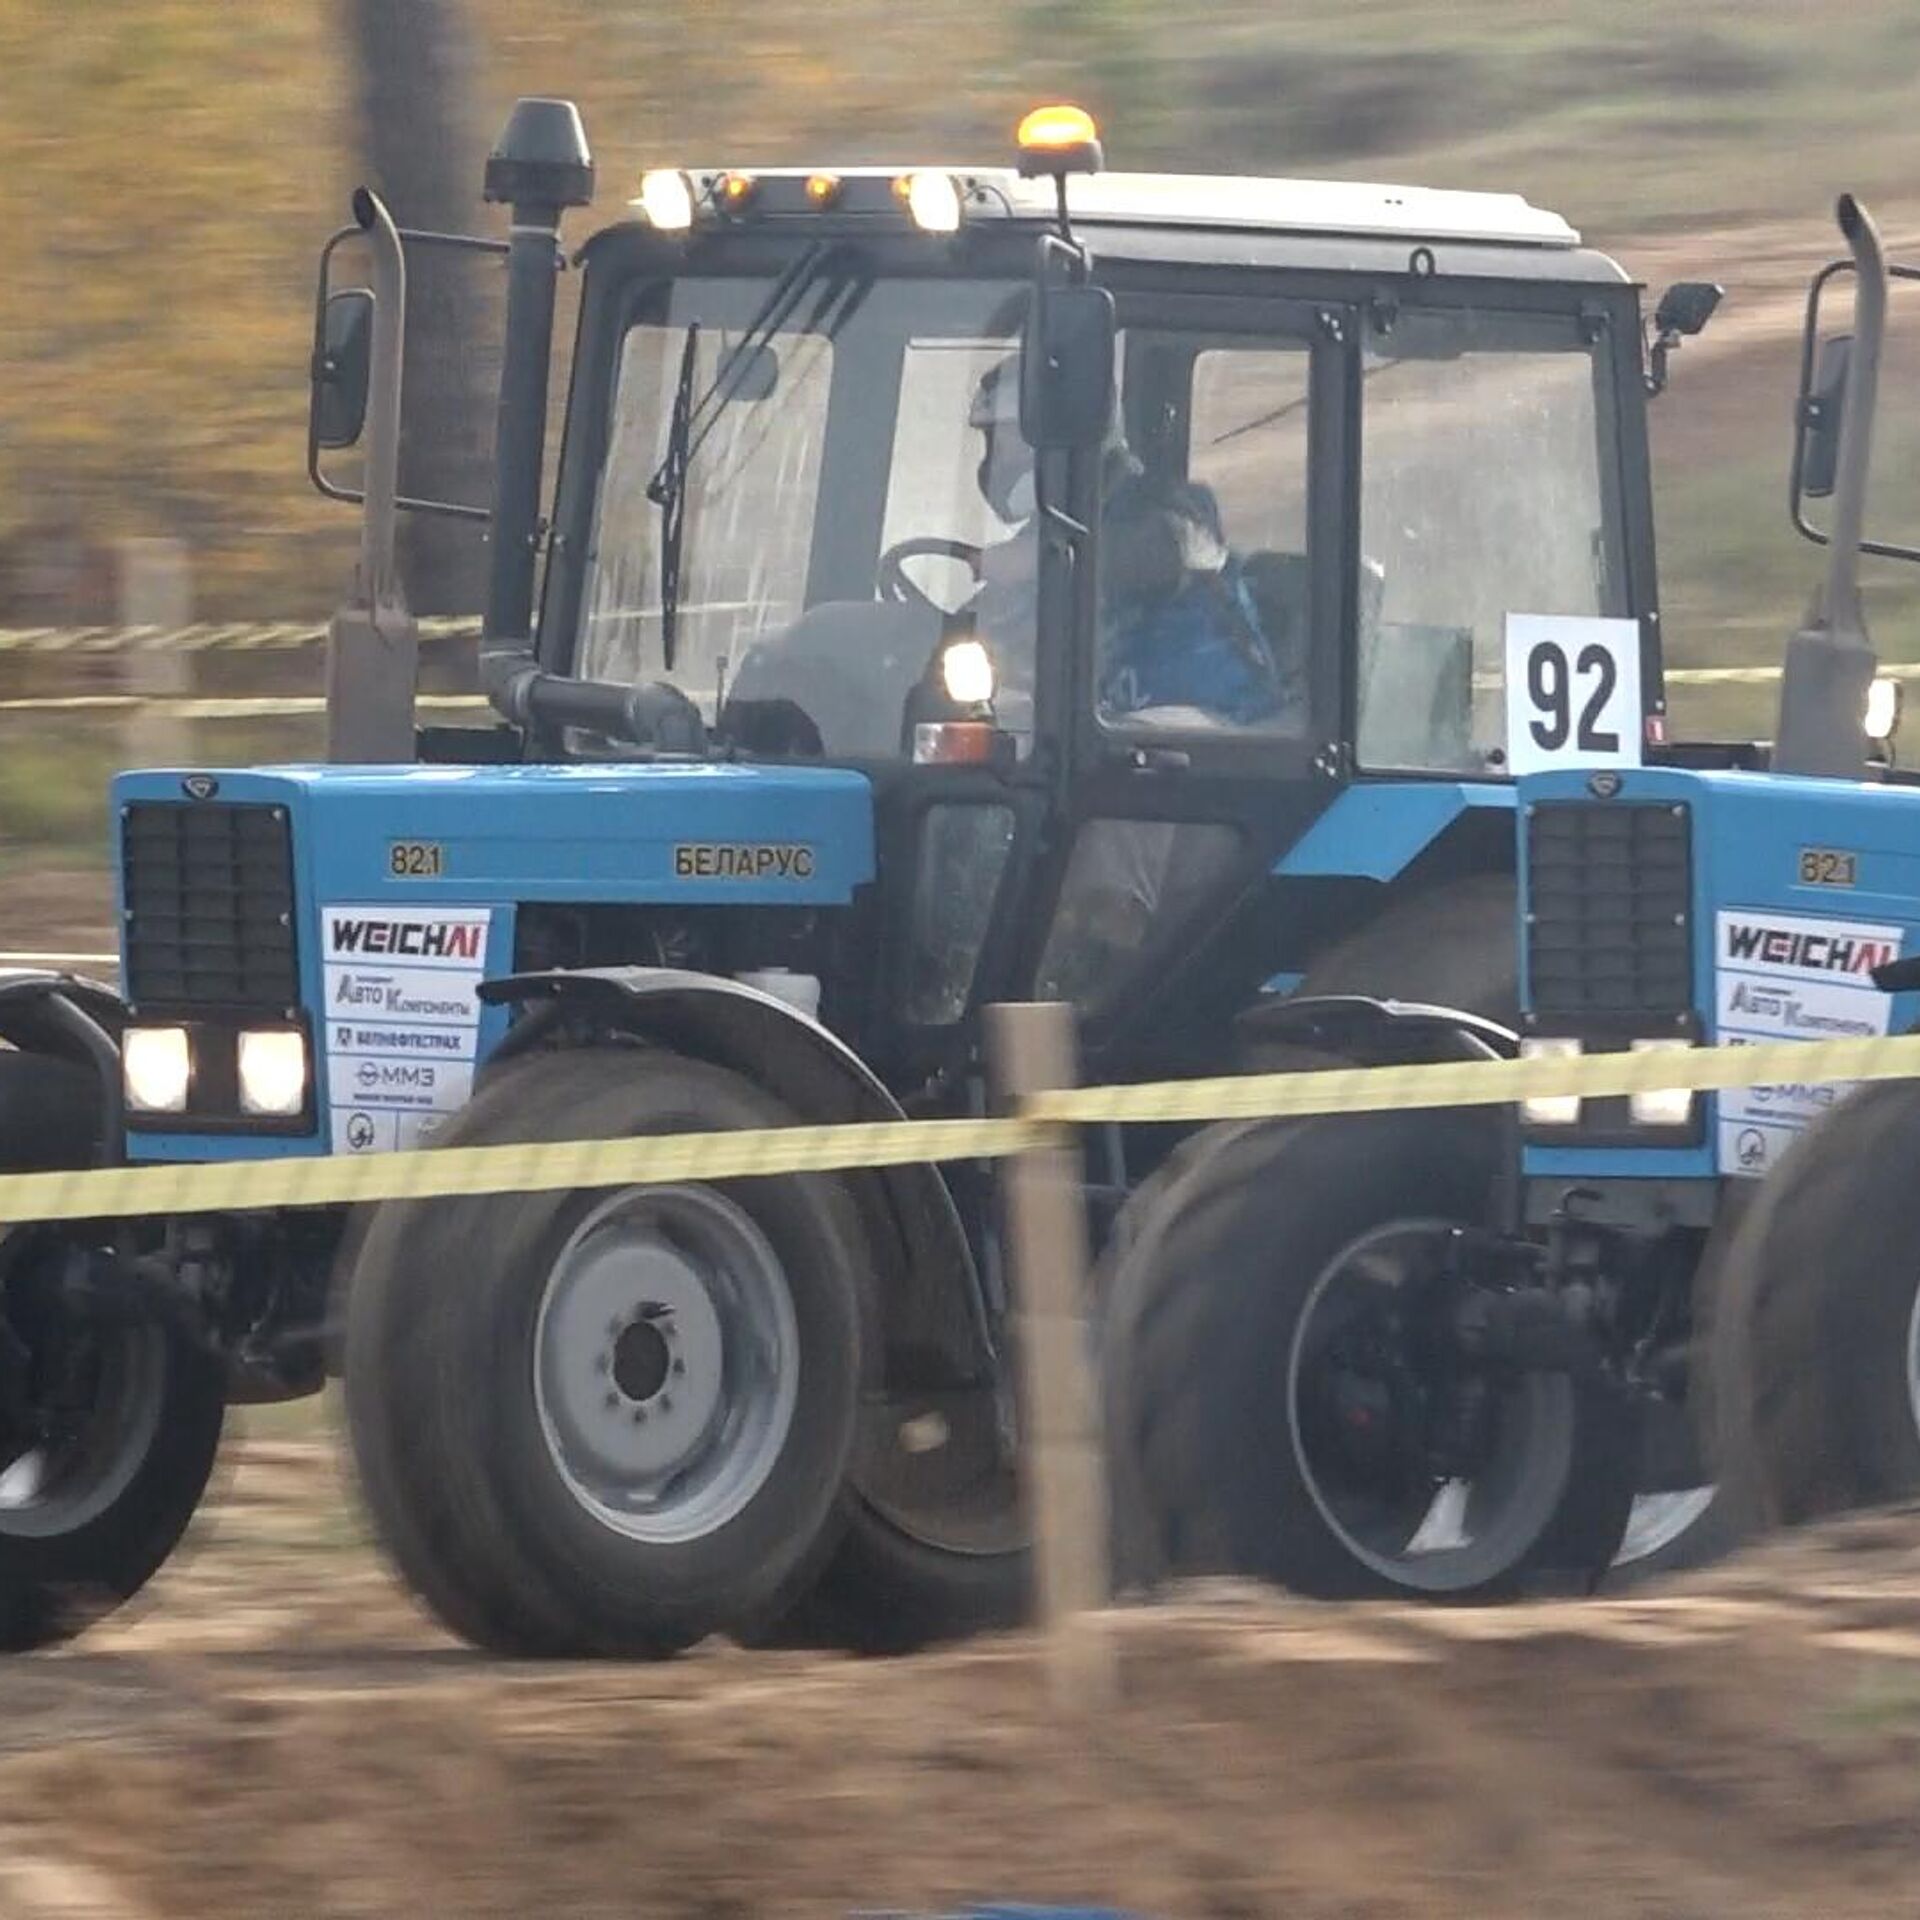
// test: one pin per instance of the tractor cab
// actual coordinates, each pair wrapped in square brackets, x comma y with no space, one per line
[1113,526]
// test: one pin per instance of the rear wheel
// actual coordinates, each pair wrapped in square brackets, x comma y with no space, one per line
[1290,1397]
[109,1426]
[934,1544]
[608,1423]
[1817,1350]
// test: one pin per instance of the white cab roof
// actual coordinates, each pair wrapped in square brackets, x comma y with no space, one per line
[1303,206]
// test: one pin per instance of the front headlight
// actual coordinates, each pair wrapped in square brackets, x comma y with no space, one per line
[1883,710]
[1664,1106]
[156,1069]
[1551,1109]
[273,1072]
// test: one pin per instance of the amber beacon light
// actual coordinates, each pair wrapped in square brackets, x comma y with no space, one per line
[1059,140]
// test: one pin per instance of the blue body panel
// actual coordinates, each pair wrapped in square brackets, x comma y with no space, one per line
[511,836]
[1376,830]
[1748,832]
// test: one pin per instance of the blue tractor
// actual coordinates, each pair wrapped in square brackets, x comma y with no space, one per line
[1438,1350]
[957,586]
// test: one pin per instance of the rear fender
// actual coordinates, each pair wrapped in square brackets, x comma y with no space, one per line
[935,1325]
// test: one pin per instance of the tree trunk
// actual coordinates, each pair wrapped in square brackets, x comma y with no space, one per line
[418,64]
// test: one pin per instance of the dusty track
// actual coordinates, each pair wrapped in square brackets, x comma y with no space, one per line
[278,1732]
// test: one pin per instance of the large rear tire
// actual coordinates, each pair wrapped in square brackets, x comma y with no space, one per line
[108,1426]
[1220,1364]
[608,1423]
[1816,1363]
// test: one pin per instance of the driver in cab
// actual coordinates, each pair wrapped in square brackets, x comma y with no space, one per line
[1189,630]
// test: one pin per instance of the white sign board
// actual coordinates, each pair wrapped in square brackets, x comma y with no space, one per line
[1573,692]
[1780,976]
[402,1017]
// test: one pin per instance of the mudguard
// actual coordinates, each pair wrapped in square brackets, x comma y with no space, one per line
[934,1319]
[69,1017]
[1374,1033]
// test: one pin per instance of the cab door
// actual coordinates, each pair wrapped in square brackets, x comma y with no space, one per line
[1211,631]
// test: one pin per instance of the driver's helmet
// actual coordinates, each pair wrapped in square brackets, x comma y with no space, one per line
[1006,464]
[1005,474]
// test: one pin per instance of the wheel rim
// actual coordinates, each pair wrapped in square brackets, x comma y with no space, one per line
[1425,1534]
[1658,1520]
[85,1458]
[666,1362]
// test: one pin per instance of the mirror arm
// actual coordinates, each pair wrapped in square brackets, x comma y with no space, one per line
[1659,349]
[383,396]
[1842,600]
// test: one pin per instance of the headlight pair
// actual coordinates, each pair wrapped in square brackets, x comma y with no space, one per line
[271,1071]
[1661,1107]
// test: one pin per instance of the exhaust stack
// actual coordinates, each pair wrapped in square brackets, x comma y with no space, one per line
[539,167]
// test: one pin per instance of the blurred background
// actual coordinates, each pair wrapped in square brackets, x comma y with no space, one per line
[176,164]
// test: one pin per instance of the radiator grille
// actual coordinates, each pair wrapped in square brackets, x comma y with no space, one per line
[209,898]
[1609,927]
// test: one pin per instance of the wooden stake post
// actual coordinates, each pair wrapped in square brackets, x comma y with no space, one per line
[1032,1050]
[156,592]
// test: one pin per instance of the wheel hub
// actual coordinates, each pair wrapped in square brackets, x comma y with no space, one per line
[1432,1471]
[642,1357]
[665,1362]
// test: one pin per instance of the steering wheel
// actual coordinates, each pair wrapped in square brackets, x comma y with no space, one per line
[896,587]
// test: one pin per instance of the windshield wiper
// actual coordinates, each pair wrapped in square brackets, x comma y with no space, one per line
[668,491]
[692,420]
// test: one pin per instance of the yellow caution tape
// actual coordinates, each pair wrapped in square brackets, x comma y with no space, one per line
[225,707]
[156,1191]
[249,636]
[124,1193]
[1483,1083]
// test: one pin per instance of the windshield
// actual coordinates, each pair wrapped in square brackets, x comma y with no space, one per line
[806,493]
[1487,489]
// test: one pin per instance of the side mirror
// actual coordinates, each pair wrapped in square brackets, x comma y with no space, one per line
[1686,307]
[1066,368]
[342,362]
[1820,415]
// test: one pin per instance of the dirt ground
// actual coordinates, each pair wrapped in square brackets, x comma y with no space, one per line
[276,1732]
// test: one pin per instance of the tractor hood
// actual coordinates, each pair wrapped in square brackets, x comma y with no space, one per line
[366,905]
[649,832]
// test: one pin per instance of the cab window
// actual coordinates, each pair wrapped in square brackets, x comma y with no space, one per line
[1204,614]
[1486,455]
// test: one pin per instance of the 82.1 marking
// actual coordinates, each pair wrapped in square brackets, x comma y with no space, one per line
[416,860]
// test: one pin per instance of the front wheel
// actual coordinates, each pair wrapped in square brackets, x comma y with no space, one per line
[1290,1396]
[608,1423]
[108,1426]
[108,1434]
[1817,1352]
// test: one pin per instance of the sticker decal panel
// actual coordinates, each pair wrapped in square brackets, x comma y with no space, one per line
[1789,977]
[402,1019]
